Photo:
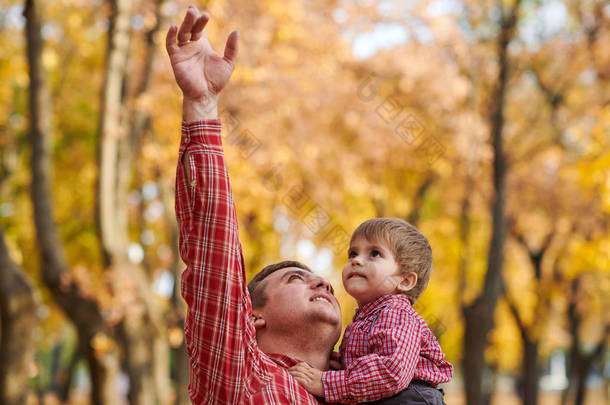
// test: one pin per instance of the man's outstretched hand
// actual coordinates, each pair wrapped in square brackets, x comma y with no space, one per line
[198,70]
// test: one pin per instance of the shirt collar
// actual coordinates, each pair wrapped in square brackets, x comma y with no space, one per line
[282,360]
[375,306]
[286,362]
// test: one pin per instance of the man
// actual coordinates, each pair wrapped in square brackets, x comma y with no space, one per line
[239,349]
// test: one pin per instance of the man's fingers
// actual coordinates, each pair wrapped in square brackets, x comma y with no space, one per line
[199,26]
[184,34]
[232,47]
[170,39]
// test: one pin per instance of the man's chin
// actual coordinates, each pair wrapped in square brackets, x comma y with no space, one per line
[325,316]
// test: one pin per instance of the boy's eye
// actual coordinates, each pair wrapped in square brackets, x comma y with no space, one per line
[375,253]
[351,254]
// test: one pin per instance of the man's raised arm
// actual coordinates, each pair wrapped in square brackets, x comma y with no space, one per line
[217,329]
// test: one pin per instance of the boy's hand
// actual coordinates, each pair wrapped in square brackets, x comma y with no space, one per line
[335,361]
[310,378]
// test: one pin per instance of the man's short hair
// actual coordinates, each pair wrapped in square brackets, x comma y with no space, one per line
[409,246]
[256,287]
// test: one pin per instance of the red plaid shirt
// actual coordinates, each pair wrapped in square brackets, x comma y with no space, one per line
[387,346]
[227,366]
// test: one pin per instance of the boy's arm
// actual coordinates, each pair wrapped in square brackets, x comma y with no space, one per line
[217,327]
[385,371]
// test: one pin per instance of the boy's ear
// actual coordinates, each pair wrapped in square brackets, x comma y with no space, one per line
[259,322]
[408,282]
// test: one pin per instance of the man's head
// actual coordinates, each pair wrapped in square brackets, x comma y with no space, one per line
[409,248]
[256,286]
[288,296]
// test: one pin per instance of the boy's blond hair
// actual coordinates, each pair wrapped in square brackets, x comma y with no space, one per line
[409,246]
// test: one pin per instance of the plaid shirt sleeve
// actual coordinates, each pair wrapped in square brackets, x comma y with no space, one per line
[219,333]
[393,352]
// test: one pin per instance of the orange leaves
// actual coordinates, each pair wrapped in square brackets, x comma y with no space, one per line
[102,344]
[176,336]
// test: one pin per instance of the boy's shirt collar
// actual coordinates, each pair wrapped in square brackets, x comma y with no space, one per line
[375,306]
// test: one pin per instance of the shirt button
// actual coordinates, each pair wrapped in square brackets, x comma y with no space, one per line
[186,139]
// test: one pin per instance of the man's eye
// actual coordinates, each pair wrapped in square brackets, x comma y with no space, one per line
[292,277]
[375,253]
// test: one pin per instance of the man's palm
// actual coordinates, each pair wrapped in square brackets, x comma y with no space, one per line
[198,70]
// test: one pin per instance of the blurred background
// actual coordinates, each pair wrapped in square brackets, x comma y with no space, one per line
[484,123]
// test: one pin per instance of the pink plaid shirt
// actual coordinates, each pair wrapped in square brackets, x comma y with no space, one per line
[387,346]
[227,366]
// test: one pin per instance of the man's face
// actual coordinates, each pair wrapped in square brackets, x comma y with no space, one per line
[298,297]
[370,271]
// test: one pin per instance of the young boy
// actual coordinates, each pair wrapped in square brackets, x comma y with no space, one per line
[388,351]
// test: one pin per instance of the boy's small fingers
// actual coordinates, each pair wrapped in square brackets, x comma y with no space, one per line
[297,376]
[298,366]
[334,364]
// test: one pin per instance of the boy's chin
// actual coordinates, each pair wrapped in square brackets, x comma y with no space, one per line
[357,295]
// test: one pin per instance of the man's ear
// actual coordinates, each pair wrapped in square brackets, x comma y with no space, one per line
[408,282]
[259,322]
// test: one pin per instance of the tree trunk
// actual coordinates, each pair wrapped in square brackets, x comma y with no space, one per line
[479,315]
[464,233]
[142,330]
[140,123]
[530,333]
[581,387]
[419,198]
[580,363]
[111,224]
[530,372]
[17,321]
[180,366]
[65,376]
[477,377]
[82,311]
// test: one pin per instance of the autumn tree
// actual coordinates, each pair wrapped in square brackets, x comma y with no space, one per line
[83,310]
[17,321]
[141,329]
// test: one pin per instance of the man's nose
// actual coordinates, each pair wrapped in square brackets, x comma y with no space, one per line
[320,282]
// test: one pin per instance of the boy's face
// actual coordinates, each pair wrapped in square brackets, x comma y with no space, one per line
[370,271]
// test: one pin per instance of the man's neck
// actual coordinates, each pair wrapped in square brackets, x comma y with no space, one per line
[315,350]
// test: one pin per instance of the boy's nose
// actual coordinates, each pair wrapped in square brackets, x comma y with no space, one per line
[356,261]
